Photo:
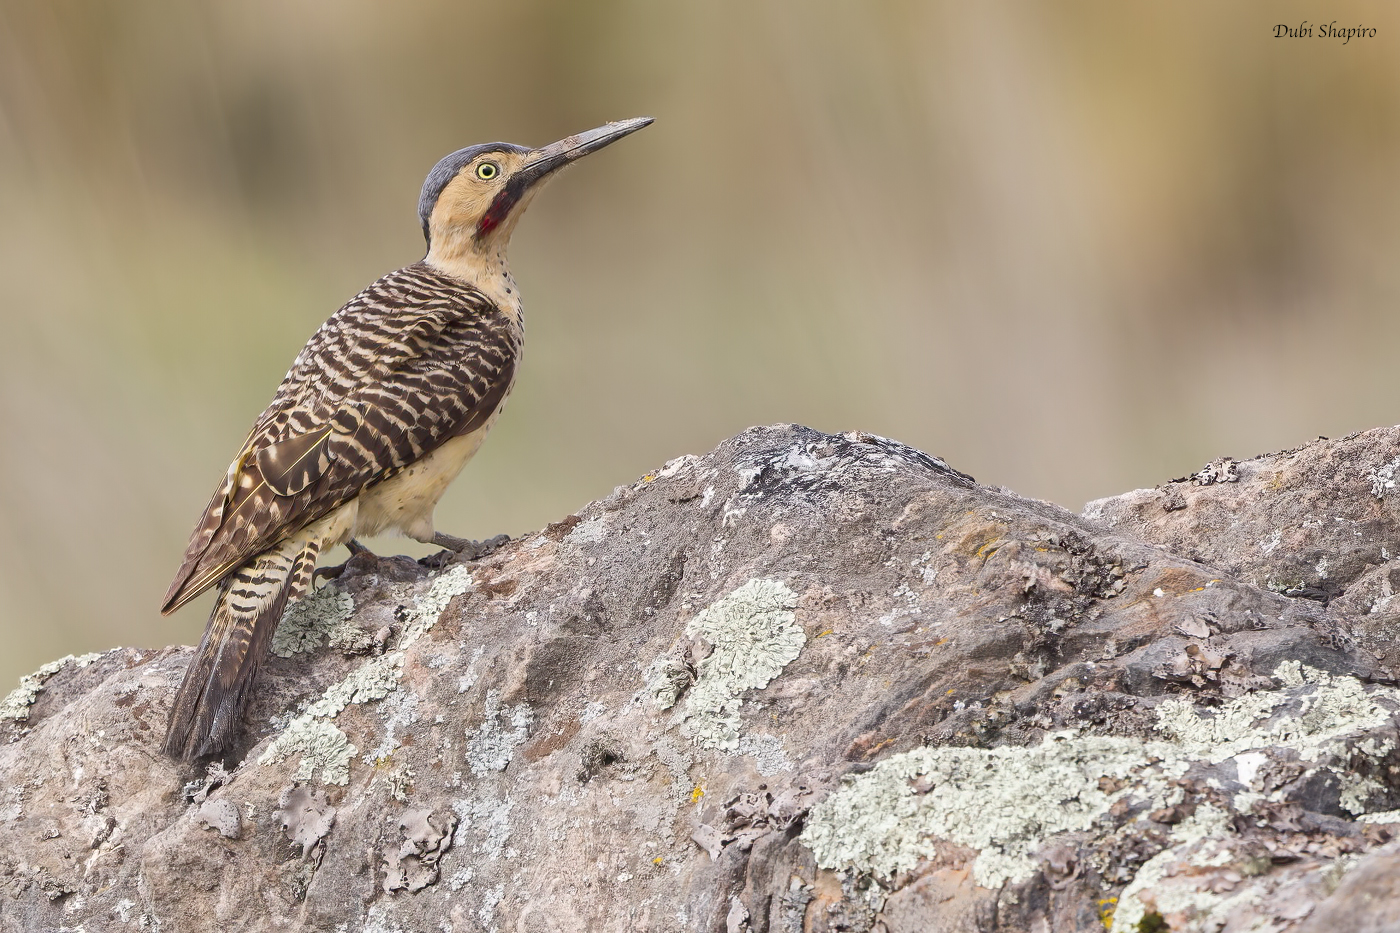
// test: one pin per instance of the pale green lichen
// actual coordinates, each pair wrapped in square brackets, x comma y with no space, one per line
[16,704]
[1384,816]
[446,586]
[370,681]
[1291,673]
[322,746]
[320,742]
[312,620]
[1006,802]
[1356,791]
[1192,900]
[666,679]
[1002,802]
[754,637]
[1334,707]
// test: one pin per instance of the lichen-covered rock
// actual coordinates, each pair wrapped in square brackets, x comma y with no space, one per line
[803,683]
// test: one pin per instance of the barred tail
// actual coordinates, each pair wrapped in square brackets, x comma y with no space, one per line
[218,683]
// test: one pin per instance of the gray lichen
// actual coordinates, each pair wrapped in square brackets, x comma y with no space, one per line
[769,754]
[306,817]
[754,637]
[677,761]
[413,864]
[588,531]
[16,704]
[493,744]
[488,820]
[1383,478]
[221,815]
[399,710]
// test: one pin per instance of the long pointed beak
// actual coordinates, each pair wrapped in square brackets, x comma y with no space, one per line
[549,159]
[546,161]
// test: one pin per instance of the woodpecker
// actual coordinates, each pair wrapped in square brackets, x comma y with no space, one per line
[380,411]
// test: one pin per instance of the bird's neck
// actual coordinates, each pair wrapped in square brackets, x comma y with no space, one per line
[485,269]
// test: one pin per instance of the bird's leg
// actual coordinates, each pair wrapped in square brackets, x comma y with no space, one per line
[332,573]
[464,548]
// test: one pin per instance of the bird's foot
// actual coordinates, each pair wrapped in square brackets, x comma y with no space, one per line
[334,573]
[461,549]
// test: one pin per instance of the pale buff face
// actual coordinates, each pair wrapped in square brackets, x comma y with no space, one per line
[453,225]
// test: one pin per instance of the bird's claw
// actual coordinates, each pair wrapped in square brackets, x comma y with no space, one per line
[456,548]
[334,573]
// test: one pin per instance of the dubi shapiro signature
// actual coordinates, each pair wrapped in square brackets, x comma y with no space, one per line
[1305,30]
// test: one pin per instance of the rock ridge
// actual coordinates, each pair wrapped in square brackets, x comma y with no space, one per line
[805,682]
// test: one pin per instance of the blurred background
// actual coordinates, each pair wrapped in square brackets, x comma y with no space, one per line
[1073,248]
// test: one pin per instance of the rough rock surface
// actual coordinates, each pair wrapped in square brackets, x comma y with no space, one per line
[803,683]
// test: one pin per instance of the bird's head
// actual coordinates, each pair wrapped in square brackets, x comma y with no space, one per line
[473,198]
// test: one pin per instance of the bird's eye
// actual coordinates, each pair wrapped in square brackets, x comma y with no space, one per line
[487,171]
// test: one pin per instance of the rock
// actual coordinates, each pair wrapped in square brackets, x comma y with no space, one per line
[803,683]
[1319,522]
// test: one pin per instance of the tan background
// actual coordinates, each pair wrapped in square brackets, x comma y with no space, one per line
[1071,247]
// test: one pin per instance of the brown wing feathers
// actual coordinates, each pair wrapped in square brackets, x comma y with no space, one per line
[415,359]
[289,467]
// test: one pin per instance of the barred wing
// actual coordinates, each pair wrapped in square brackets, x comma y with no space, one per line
[414,360]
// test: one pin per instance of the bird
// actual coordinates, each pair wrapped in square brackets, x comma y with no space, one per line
[379,412]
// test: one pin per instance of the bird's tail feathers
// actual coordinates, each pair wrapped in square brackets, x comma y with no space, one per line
[218,683]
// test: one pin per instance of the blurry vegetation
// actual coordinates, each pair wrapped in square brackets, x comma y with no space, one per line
[1072,247]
